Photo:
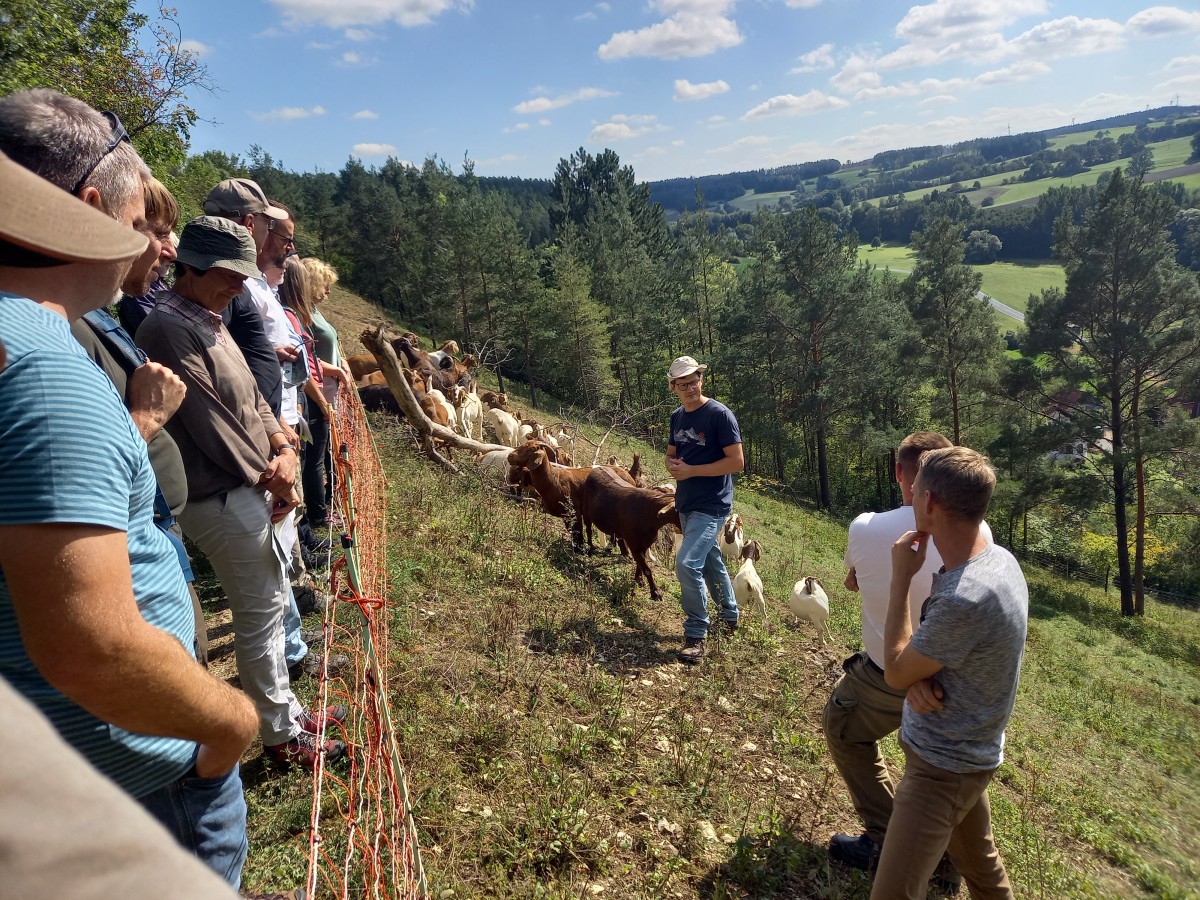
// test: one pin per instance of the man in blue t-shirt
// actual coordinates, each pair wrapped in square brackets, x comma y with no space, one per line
[96,624]
[704,450]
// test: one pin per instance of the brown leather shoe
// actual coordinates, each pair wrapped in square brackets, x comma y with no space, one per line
[692,653]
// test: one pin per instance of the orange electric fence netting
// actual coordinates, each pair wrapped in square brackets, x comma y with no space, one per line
[362,839]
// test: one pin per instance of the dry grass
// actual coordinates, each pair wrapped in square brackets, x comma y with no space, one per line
[556,748]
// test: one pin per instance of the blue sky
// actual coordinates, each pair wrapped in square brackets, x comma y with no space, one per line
[675,87]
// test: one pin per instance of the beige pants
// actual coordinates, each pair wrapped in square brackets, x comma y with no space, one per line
[861,710]
[935,812]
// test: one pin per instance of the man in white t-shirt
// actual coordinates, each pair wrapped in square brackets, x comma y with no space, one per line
[862,708]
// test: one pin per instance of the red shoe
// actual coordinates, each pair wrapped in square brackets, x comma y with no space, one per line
[313,722]
[304,750]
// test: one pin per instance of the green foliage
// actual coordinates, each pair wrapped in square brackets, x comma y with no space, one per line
[959,344]
[1125,327]
[91,51]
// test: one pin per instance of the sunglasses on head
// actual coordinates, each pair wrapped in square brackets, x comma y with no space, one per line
[118,134]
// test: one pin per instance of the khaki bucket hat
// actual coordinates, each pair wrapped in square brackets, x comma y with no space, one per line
[41,217]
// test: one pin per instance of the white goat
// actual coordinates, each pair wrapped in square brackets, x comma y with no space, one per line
[732,538]
[809,601]
[747,585]
[504,425]
[470,412]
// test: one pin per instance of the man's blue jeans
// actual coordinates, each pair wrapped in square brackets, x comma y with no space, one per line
[699,562]
[207,816]
[294,648]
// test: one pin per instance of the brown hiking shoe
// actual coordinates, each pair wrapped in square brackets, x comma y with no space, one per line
[304,750]
[692,653]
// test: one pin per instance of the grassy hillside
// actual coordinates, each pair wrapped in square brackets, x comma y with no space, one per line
[556,749]
[1009,281]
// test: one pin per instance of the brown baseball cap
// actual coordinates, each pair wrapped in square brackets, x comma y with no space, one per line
[38,217]
[237,197]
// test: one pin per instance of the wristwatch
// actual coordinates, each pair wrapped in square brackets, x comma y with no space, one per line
[277,450]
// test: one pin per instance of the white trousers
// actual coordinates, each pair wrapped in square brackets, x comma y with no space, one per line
[234,530]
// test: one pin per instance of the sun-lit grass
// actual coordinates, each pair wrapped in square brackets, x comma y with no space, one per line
[1011,281]
[751,200]
[555,748]
[896,257]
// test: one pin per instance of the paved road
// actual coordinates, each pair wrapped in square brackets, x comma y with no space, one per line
[996,304]
[1002,307]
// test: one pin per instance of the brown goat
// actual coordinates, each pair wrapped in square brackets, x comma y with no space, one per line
[558,487]
[442,379]
[631,514]
[362,364]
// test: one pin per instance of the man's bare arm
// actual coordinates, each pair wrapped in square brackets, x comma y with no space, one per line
[73,598]
[903,664]
[732,461]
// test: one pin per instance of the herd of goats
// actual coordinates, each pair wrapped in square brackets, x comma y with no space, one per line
[601,503]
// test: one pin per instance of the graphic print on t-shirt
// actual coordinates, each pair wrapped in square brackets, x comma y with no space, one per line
[691,436]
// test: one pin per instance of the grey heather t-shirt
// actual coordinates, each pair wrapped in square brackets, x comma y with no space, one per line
[973,624]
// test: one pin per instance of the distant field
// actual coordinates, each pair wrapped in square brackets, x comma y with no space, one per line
[1167,155]
[889,256]
[1076,138]
[751,200]
[1011,282]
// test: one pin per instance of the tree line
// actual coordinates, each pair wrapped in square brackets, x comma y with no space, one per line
[579,287]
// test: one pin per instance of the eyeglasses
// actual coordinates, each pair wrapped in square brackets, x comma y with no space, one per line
[687,385]
[119,134]
[287,241]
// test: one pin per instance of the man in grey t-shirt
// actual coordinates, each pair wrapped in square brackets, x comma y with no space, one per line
[961,669]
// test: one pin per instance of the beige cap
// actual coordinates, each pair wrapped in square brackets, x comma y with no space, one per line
[38,216]
[237,197]
[684,366]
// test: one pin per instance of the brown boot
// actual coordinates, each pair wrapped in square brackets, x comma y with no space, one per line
[692,653]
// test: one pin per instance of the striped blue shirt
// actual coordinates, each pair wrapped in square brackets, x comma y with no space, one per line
[71,454]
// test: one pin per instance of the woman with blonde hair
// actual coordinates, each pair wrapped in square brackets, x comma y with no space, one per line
[306,283]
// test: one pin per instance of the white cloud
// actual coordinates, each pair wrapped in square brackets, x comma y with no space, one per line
[750,140]
[685,90]
[815,60]
[374,150]
[939,98]
[692,28]
[611,131]
[365,114]
[1182,62]
[358,34]
[289,114]
[588,16]
[1162,21]
[195,48]
[520,126]
[1068,36]
[712,121]
[1181,82]
[343,13]
[351,58]
[1026,70]
[856,74]
[953,21]
[545,104]
[623,127]
[543,122]
[802,4]
[791,105]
